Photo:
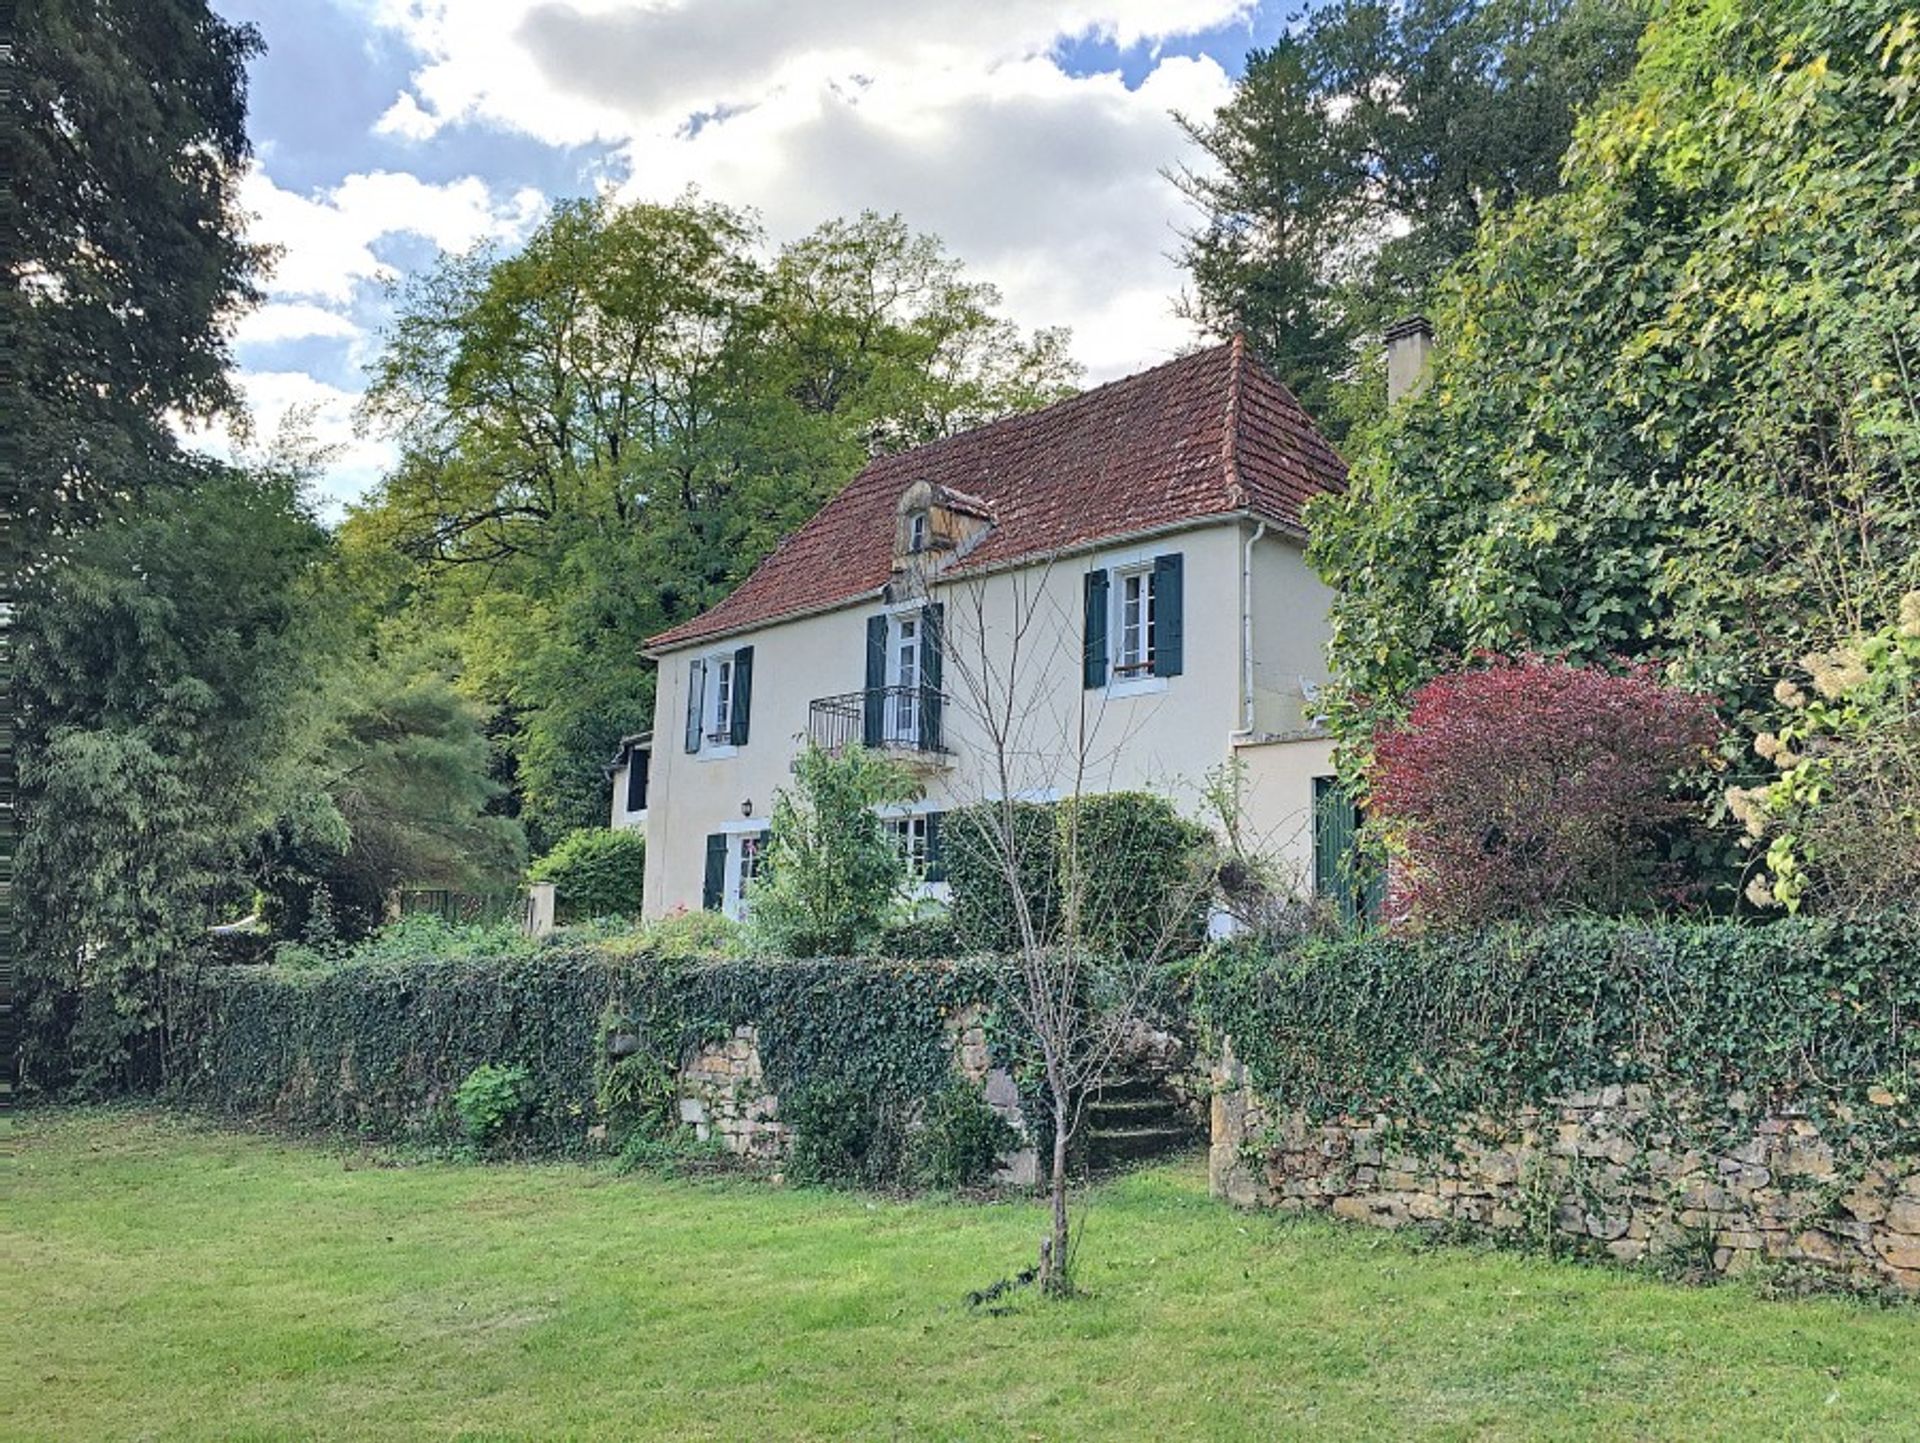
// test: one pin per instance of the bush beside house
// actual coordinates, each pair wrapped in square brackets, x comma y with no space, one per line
[595,872]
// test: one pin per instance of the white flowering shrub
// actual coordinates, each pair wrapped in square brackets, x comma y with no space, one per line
[1841,819]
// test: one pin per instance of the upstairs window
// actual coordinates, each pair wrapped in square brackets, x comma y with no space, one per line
[917,532]
[1135,623]
[720,724]
[1134,656]
[638,760]
[719,699]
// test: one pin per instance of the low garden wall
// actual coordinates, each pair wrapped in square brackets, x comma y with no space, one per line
[1704,1097]
[752,1055]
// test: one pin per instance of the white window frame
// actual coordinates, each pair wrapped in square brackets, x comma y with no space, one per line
[716,723]
[905,814]
[901,720]
[1120,680]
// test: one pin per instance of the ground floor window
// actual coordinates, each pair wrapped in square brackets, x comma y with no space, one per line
[918,837]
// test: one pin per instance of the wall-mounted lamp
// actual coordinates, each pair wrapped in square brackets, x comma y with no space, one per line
[746,806]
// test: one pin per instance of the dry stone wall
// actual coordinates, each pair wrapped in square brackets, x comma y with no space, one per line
[1610,1169]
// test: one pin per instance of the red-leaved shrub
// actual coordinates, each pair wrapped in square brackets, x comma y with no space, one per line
[1529,787]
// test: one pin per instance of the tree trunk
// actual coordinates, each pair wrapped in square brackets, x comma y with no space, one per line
[1054,1280]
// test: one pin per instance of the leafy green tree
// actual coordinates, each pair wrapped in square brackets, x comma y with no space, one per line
[397,794]
[167,660]
[126,139]
[603,432]
[1360,154]
[833,870]
[1675,411]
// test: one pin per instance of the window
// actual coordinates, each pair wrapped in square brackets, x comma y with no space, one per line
[1134,656]
[638,759]
[719,701]
[918,837]
[719,726]
[911,834]
[917,532]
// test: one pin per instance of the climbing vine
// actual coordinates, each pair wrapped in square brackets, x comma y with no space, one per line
[382,1049]
[1815,1016]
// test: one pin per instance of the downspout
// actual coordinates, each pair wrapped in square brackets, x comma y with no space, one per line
[1246,629]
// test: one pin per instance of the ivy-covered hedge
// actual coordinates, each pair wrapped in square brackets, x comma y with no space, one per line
[1811,1015]
[381,1049]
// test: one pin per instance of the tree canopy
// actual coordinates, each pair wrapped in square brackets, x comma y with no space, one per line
[602,432]
[1360,155]
[1675,409]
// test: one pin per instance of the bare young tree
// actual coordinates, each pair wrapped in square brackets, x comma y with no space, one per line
[1009,640]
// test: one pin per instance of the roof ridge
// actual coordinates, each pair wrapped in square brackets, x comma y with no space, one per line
[1230,439]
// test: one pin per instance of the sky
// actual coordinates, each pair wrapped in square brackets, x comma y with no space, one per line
[1032,136]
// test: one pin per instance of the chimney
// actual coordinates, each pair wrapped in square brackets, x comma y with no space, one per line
[1408,343]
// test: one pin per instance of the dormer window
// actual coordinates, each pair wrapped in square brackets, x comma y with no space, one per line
[917,532]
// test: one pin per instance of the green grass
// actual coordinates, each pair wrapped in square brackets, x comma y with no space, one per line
[167,1280]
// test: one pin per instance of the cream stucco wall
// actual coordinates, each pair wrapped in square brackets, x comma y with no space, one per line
[1014,634]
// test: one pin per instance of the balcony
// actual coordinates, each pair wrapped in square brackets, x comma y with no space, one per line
[902,720]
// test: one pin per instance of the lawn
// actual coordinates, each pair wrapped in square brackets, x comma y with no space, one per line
[169,1280]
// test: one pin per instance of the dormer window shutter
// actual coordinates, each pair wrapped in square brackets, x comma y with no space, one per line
[1169,615]
[1094,666]
[696,701]
[873,712]
[742,696]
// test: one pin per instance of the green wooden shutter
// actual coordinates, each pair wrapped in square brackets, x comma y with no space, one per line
[873,712]
[1094,665]
[932,668]
[1340,870]
[742,695]
[713,890]
[1169,615]
[696,701]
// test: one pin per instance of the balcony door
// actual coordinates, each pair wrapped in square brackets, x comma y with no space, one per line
[903,681]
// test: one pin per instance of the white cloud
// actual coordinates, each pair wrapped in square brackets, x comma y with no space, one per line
[326,238]
[952,112]
[295,410]
[292,321]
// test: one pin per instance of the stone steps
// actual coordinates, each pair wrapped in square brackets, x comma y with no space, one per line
[1133,1119]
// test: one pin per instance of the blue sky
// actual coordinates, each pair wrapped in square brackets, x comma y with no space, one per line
[1029,134]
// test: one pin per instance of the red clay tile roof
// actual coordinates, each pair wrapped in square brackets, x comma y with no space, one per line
[1211,434]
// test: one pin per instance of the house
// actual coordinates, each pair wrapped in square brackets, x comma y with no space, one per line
[1116,585]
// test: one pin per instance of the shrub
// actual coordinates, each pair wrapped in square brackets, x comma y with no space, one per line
[983,911]
[693,934]
[490,1101]
[844,1133]
[1525,788]
[832,870]
[1843,815]
[960,1140]
[925,934]
[595,872]
[1142,873]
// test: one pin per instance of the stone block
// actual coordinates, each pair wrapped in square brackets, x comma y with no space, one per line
[1903,1215]
[1899,1252]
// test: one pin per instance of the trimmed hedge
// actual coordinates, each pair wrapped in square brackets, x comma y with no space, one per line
[595,872]
[1137,852]
[381,1050]
[1811,1015]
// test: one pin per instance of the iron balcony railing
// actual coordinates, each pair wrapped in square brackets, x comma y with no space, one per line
[885,718]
